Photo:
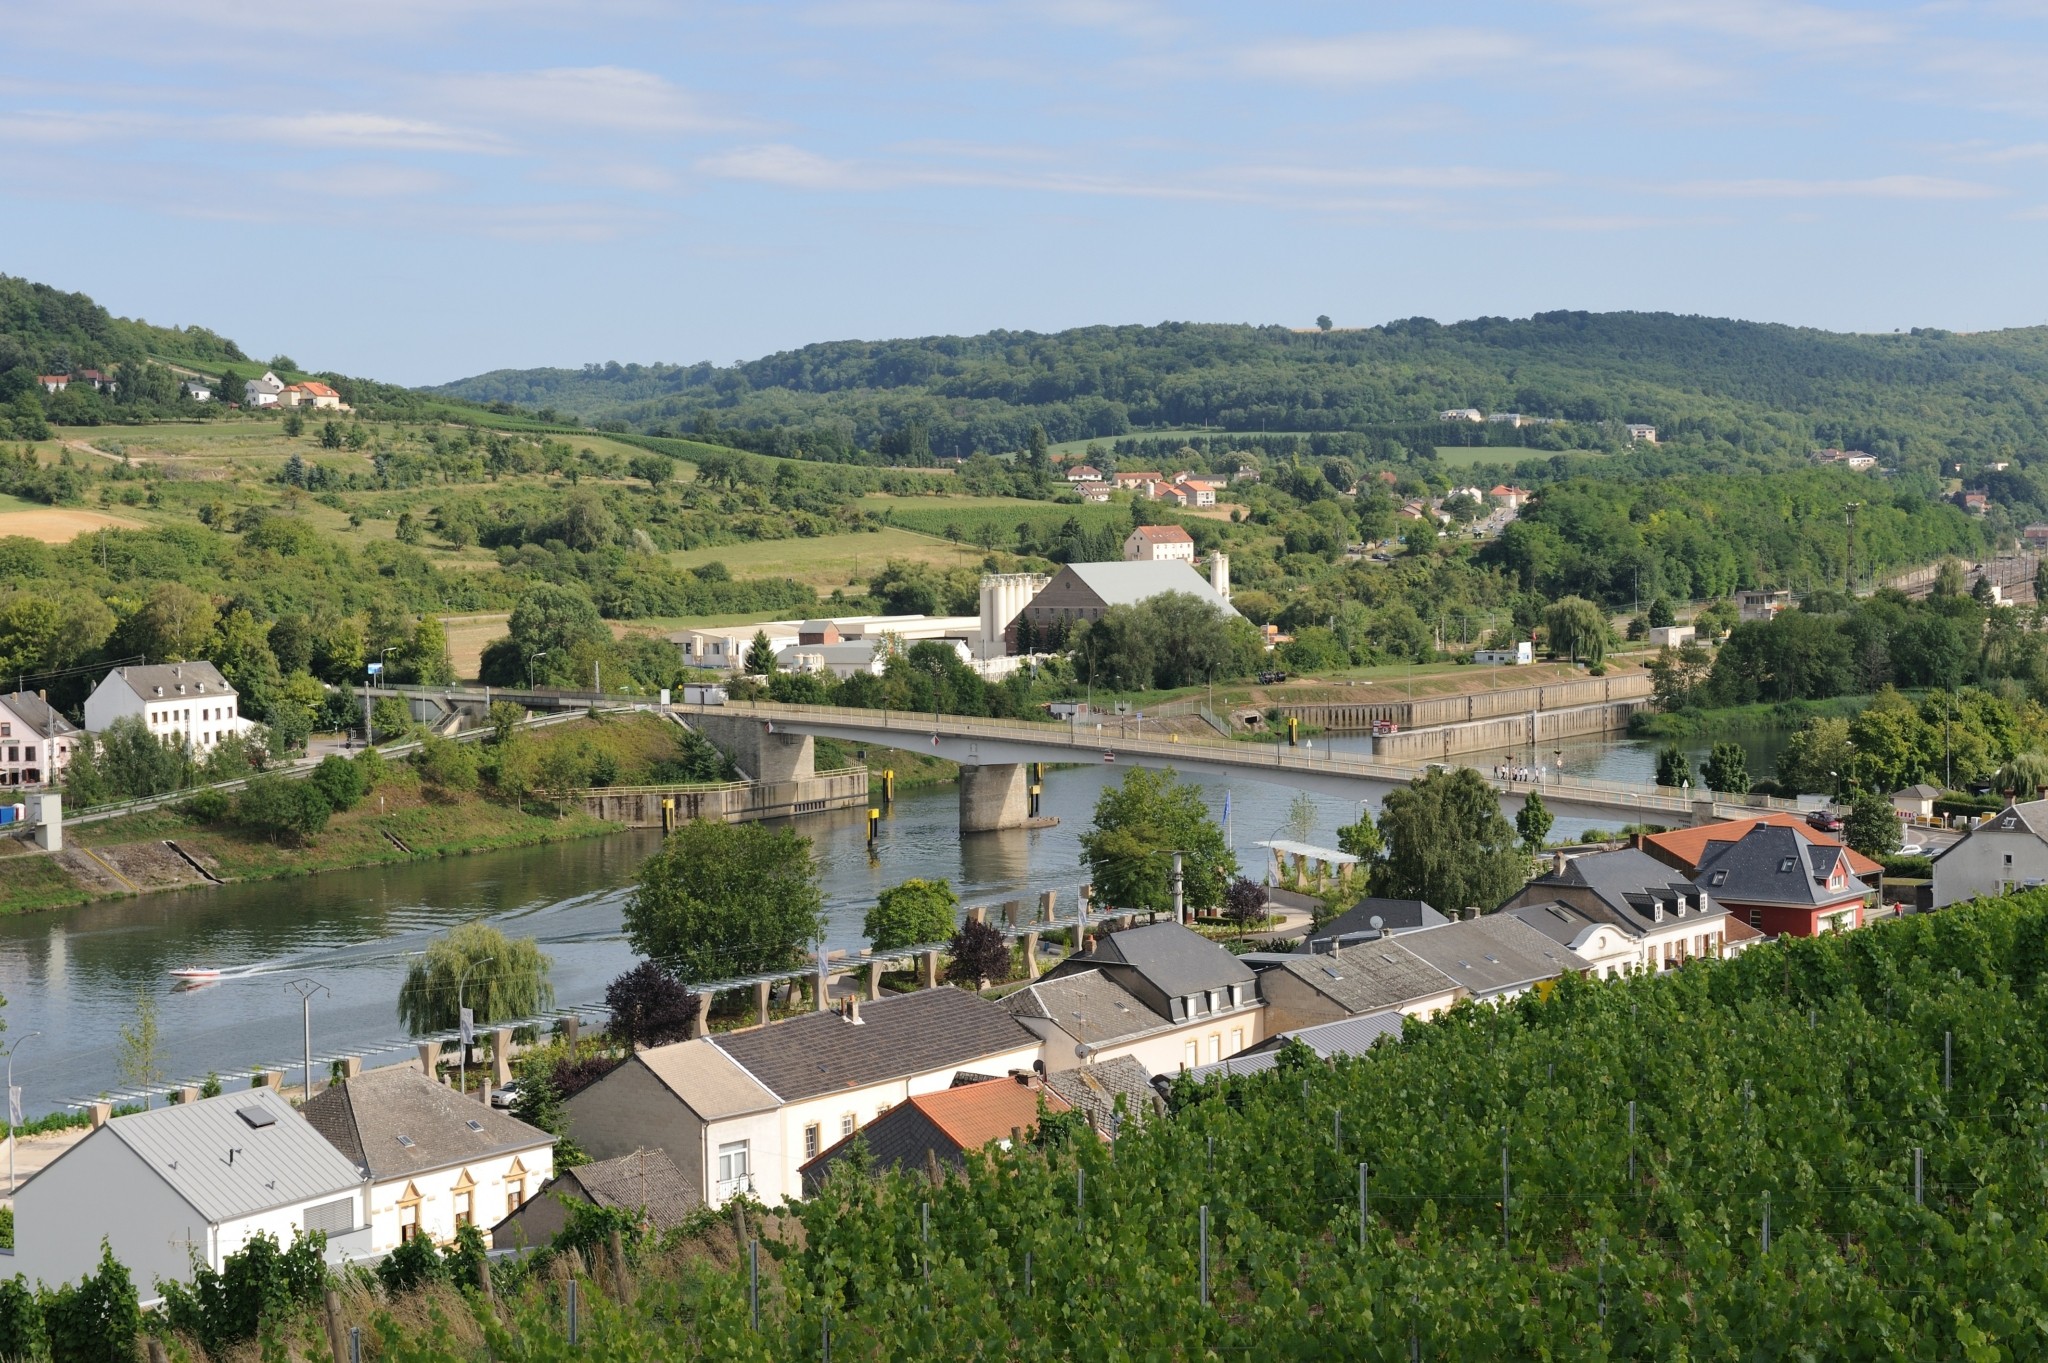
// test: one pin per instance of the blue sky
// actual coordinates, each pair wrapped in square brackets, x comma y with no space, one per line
[424,189]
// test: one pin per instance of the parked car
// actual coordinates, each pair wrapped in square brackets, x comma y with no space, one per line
[506,1096]
[1826,820]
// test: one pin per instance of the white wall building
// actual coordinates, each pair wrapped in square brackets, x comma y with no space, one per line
[191,701]
[1522,654]
[1159,544]
[199,1179]
[263,390]
[432,1159]
[35,741]
[1087,1018]
[2005,852]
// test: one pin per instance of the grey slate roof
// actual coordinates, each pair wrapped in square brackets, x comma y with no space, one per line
[1559,922]
[284,1163]
[1108,1011]
[1491,954]
[1126,584]
[646,1180]
[365,1117]
[1771,864]
[1346,1036]
[932,1029]
[1367,977]
[1174,959]
[1627,882]
[40,716]
[1396,915]
[143,681]
[2028,816]
[1093,1090]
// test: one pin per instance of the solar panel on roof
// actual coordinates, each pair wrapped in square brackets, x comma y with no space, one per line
[257,1117]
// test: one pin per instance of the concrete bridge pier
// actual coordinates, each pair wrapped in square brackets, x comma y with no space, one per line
[993,797]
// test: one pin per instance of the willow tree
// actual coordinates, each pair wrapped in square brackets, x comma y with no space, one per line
[1577,629]
[497,978]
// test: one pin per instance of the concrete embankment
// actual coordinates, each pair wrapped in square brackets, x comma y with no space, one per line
[1509,718]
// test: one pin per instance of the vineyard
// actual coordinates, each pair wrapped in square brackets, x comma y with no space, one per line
[1837,1152]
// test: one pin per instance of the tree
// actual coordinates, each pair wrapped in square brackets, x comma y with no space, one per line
[1726,769]
[1661,616]
[1673,769]
[1816,757]
[281,809]
[173,623]
[391,718]
[2041,580]
[1448,843]
[912,913]
[142,1051]
[2025,774]
[649,1007]
[656,469]
[1872,827]
[1362,840]
[496,977]
[506,717]
[978,956]
[559,621]
[761,655]
[1301,816]
[339,780]
[424,657]
[1139,824]
[1244,903]
[1323,322]
[294,425]
[720,900]
[1577,629]
[1948,580]
[1533,821]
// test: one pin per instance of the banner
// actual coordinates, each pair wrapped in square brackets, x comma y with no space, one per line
[468,1027]
[14,1105]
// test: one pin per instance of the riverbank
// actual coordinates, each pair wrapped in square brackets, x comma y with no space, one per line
[403,820]
[1786,715]
[914,771]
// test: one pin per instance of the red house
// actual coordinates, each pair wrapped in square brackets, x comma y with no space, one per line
[1783,885]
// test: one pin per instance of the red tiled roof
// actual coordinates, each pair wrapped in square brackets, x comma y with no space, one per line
[1686,846]
[1164,534]
[972,1115]
[317,389]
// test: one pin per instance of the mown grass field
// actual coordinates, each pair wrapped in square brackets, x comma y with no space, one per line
[1471,456]
[1002,515]
[829,561]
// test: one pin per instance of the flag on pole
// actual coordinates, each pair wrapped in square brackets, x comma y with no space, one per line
[469,1026]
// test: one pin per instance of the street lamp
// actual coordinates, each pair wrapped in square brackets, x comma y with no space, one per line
[529,666]
[305,989]
[13,1108]
[462,1051]
[383,673]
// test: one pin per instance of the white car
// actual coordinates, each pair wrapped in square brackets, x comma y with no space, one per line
[1912,849]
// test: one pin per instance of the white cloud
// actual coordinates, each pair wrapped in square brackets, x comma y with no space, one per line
[1387,57]
[1874,187]
[364,181]
[73,126]
[1785,25]
[791,167]
[1401,177]
[362,131]
[618,98]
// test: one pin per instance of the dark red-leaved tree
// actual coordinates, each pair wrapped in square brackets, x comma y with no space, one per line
[980,953]
[649,1007]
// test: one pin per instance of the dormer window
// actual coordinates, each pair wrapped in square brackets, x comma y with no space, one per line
[1718,879]
[1787,865]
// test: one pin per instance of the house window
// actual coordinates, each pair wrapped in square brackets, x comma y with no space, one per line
[1236,1040]
[733,1169]
[1756,918]
[409,1214]
[811,1139]
[465,1200]
[846,1126]
[1189,1059]
[515,1195]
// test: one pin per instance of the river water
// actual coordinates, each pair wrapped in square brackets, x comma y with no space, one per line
[75,976]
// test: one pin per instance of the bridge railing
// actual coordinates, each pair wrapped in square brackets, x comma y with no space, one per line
[1106,736]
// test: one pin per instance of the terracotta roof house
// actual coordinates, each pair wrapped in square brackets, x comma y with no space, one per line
[646,1181]
[1783,885]
[1682,848]
[1156,543]
[1083,473]
[941,1128]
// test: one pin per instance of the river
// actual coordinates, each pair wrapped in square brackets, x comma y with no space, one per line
[75,975]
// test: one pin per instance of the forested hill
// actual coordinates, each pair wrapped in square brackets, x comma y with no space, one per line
[47,331]
[1757,387]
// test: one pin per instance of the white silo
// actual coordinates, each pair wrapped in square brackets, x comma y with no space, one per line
[1219,574]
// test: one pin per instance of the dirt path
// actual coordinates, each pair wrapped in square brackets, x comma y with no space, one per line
[87,447]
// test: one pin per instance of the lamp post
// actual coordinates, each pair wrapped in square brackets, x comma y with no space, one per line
[383,673]
[305,989]
[529,666]
[462,1046]
[13,1108]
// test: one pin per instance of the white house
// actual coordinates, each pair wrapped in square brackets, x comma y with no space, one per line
[311,393]
[1639,431]
[1463,414]
[2005,852]
[744,1111]
[433,1160]
[188,700]
[1664,918]
[35,741]
[195,1180]
[1159,544]
[1084,473]
[1762,605]
[1206,1002]
[1521,654]
[262,391]
[1670,636]
[198,390]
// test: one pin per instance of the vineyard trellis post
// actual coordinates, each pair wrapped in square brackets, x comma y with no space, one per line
[754,1283]
[1205,1253]
[1363,1205]
[1767,1221]
[1504,1189]
[1337,1131]
[1947,1061]
[1212,1154]
[1631,1140]
[1081,1199]
[575,1332]
[1027,1272]
[355,1344]
[1918,1187]
[1603,1280]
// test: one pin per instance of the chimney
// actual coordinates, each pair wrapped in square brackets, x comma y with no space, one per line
[1557,863]
[852,1010]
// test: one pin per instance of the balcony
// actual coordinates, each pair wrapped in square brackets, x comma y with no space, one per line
[733,1187]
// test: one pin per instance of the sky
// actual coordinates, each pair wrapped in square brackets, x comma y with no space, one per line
[419,190]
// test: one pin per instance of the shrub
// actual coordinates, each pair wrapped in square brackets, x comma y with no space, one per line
[96,1319]
[446,763]
[464,1258]
[224,1308]
[371,765]
[340,780]
[208,806]
[979,952]
[282,810]
[411,1266]
[649,1007]
[21,1314]
[914,912]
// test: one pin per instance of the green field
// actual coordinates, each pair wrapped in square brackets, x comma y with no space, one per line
[1470,456]
[1002,514]
[830,561]
[1211,433]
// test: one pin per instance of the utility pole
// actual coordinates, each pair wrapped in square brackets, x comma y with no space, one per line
[306,989]
[1180,913]
[13,1108]
[1849,513]
[463,1026]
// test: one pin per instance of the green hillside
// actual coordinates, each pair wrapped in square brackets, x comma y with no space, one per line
[1752,386]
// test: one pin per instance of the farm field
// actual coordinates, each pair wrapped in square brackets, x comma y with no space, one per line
[831,561]
[55,525]
[1471,456]
[1002,514]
